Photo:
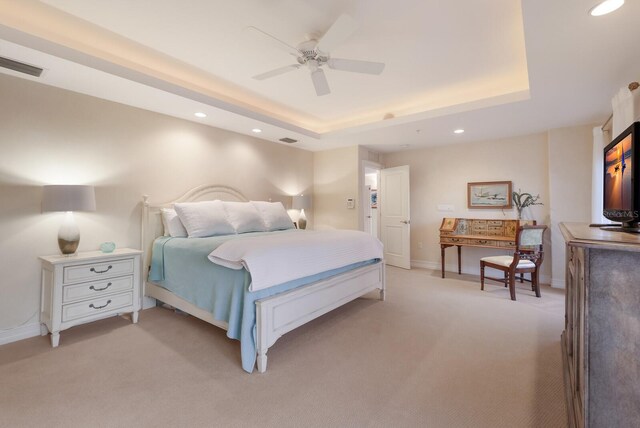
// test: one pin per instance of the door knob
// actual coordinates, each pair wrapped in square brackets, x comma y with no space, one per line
[405,221]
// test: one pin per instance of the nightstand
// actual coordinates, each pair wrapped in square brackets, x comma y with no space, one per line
[88,286]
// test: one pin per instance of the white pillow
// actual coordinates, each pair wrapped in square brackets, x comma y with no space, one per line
[274,215]
[206,218]
[244,217]
[172,224]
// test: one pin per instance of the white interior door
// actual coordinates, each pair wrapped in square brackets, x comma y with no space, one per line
[394,216]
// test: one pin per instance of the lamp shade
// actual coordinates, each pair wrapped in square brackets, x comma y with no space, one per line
[68,198]
[301,202]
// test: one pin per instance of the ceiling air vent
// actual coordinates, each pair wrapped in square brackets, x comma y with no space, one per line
[288,140]
[20,67]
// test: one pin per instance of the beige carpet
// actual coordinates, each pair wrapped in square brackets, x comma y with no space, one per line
[437,353]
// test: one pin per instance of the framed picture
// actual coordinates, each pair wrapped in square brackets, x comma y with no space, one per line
[374,198]
[489,194]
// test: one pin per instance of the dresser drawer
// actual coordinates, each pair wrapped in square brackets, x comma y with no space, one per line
[99,305]
[93,271]
[85,290]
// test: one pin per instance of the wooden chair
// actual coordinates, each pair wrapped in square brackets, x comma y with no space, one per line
[527,258]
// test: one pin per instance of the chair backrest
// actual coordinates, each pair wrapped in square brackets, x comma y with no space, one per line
[529,242]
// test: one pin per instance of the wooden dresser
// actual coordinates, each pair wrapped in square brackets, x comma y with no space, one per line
[471,232]
[601,340]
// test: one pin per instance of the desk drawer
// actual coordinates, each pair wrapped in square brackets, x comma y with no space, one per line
[453,240]
[93,271]
[496,230]
[94,289]
[99,305]
[479,228]
[511,244]
[494,223]
[487,242]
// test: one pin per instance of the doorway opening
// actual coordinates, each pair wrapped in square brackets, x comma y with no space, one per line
[370,201]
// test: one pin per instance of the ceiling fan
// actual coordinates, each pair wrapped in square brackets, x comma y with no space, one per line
[315,54]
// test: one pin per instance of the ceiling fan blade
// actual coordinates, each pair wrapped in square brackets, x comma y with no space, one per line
[277,72]
[356,66]
[275,41]
[344,27]
[320,82]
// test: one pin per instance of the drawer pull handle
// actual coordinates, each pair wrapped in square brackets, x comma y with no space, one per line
[101,271]
[480,241]
[100,289]
[100,307]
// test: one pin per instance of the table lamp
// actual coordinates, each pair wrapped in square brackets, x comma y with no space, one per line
[68,198]
[300,202]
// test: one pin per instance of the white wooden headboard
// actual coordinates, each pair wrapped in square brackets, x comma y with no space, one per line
[151,222]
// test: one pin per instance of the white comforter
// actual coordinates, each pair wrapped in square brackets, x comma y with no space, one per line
[282,257]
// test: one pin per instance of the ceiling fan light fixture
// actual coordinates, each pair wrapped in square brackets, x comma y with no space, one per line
[459,131]
[605,7]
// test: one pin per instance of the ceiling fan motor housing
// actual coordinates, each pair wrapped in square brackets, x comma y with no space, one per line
[309,52]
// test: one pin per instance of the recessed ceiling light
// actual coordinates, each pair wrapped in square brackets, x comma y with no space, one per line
[256,130]
[606,6]
[199,114]
[458,131]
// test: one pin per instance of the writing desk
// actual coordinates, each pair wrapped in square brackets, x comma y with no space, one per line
[483,233]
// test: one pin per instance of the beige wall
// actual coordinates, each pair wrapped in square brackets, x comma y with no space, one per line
[53,136]
[336,178]
[570,153]
[439,175]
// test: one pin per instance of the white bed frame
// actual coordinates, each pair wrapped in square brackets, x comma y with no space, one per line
[275,315]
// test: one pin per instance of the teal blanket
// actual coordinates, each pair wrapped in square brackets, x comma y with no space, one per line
[181,266]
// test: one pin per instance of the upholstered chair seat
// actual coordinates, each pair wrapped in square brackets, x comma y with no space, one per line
[506,261]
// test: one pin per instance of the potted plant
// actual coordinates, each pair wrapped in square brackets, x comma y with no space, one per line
[523,200]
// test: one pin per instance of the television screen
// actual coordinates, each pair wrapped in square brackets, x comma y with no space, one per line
[618,167]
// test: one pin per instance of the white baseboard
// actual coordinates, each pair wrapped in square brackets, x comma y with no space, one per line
[424,264]
[19,333]
[558,283]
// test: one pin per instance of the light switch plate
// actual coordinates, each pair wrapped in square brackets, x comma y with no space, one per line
[351,204]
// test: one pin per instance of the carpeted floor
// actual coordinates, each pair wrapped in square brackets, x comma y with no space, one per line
[436,353]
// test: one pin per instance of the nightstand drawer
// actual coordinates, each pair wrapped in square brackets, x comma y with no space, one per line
[71,293]
[96,306]
[93,271]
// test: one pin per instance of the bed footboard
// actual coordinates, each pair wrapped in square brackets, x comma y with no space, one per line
[279,314]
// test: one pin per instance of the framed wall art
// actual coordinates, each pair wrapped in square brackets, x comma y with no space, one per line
[489,194]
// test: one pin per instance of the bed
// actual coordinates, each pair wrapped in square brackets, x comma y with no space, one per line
[273,312]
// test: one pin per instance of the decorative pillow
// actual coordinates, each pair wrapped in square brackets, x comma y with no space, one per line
[244,217]
[206,218]
[172,224]
[274,215]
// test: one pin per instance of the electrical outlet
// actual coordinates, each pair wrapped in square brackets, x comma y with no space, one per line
[446,207]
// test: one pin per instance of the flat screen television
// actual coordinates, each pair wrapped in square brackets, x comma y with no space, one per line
[622,180]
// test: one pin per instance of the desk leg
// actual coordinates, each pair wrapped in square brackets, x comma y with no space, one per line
[442,258]
[459,258]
